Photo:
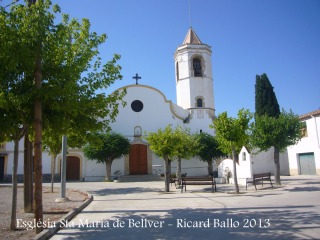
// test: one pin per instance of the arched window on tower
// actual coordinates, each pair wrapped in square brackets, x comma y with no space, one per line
[199,102]
[177,70]
[197,71]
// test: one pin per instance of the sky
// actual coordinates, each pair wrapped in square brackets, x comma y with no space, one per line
[248,37]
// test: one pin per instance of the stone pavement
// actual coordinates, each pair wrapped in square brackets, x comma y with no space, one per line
[142,210]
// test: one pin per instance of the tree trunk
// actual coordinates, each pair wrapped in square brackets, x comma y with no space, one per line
[178,172]
[53,170]
[210,167]
[167,170]
[108,169]
[276,166]
[38,207]
[235,160]
[14,186]
[28,175]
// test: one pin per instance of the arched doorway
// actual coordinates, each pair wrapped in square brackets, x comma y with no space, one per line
[73,168]
[138,159]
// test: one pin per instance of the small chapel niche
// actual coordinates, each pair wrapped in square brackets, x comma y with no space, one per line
[244,156]
[137,131]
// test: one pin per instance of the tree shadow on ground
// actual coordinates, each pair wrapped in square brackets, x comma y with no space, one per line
[236,223]
[128,190]
[305,189]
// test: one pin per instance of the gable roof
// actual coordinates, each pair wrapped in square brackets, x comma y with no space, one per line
[309,115]
[191,38]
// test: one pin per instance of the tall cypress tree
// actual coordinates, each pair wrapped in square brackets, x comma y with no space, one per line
[266,102]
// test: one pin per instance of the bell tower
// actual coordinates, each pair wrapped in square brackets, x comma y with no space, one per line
[194,82]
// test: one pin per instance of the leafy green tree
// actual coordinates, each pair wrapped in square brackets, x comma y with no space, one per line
[105,148]
[266,102]
[186,146]
[273,128]
[279,133]
[209,150]
[163,144]
[232,134]
[53,73]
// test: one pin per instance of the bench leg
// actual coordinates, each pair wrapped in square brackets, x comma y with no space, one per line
[271,183]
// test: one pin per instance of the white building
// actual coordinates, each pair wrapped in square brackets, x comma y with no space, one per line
[254,162]
[304,157]
[147,110]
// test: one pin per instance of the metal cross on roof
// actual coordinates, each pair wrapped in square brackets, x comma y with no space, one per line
[136,77]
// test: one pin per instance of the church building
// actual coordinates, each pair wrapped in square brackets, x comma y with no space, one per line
[147,110]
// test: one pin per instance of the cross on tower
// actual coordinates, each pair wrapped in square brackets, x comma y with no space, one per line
[136,77]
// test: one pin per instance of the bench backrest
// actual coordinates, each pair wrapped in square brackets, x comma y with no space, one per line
[197,179]
[259,175]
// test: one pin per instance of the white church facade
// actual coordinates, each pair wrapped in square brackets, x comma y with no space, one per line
[147,110]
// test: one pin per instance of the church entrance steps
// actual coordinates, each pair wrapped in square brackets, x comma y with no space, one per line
[140,178]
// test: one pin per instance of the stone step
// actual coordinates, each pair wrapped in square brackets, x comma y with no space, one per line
[139,178]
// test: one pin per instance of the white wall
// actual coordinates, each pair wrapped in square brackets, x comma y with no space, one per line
[309,144]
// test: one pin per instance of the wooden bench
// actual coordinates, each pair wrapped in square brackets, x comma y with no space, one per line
[198,181]
[259,177]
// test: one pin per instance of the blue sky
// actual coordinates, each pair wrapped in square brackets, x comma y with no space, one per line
[248,37]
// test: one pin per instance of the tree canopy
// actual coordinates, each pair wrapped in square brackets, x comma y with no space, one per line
[208,149]
[266,102]
[51,74]
[232,134]
[272,128]
[171,143]
[105,148]
[278,132]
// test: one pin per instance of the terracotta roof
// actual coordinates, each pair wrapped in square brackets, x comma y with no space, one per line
[191,38]
[310,114]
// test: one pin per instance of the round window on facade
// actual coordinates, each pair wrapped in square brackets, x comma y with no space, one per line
[137,106]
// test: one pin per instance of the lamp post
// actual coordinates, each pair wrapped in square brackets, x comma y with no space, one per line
[63,197]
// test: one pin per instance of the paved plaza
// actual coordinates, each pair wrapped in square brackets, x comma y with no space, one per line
[142,210]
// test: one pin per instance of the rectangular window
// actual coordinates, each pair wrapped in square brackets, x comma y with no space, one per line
[304,129]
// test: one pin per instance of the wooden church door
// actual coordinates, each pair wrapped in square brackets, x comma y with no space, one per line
[138,159]
[73,168]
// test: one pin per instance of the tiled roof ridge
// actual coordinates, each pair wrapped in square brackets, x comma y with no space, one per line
[307,115]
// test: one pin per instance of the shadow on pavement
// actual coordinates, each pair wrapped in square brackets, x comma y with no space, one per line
[235,223]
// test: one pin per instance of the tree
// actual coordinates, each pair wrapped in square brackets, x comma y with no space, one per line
[186,146]
[280,132]
[105,148]
[232,134]
[163,144]
[266,102]
[271,126]
[54,72]
[209,150]
[11,129]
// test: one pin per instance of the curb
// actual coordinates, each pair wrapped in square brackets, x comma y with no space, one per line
[47,233]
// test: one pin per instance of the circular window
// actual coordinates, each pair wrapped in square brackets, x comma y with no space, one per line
[137,106]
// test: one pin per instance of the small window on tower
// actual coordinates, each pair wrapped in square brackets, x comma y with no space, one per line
[199,102]
[177,70]
[197,67]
